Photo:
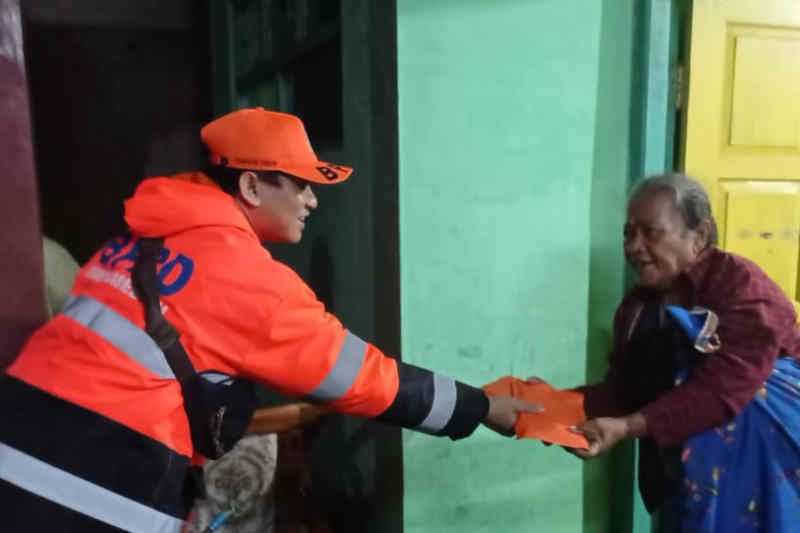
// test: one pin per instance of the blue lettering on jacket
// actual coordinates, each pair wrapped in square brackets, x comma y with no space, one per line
[124,249]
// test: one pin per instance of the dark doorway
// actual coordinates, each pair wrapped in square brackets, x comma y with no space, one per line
[103,91]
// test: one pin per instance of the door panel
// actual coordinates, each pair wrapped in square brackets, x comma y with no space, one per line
[762,221]
[766,71]
[743,127]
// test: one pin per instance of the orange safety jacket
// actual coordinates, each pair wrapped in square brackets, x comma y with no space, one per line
[238,311]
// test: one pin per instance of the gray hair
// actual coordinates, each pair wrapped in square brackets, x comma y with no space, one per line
[690,199]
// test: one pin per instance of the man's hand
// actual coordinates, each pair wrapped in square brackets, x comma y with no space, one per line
[503,413]
[604,433]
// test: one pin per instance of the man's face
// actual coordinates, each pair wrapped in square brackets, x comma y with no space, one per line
[658,245]
[284,209]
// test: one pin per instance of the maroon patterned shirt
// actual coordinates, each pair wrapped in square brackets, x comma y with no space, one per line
[757,324]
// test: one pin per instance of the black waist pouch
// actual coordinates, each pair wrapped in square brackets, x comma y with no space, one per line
[219,406]
[656,349]
[222,410]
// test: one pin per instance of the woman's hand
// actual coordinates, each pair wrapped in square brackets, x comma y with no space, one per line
[504,411]
[605,433]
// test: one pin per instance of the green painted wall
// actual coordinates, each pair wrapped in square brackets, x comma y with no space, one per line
[520,125]
[659,25]
[608,481]
[514,148]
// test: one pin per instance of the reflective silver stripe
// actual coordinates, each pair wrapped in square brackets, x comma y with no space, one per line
[444,403]
[344,372]
[119,331]
[215,377]
[63,488]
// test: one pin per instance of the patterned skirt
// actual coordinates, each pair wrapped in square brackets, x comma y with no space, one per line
[744,476]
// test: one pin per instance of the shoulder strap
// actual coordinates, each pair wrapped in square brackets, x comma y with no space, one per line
[213,431]
[145,284]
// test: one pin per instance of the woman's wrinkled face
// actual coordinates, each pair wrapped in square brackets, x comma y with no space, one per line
[658,245]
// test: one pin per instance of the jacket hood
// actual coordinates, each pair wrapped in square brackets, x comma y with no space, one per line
[164,206]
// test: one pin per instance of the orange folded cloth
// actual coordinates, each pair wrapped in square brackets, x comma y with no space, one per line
[562,410]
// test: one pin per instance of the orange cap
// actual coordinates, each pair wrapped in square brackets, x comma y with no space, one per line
[257,139]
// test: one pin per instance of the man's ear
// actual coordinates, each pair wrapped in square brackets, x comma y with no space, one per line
[702,234]
[248,188]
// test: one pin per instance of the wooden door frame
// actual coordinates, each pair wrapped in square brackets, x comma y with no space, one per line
[22,290]
[661,27]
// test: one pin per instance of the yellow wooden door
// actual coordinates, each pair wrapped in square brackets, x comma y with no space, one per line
[743,127]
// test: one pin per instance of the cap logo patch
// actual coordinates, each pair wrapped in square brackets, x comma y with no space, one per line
[330,172]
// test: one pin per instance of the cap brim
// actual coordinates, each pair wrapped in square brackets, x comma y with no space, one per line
[321,172]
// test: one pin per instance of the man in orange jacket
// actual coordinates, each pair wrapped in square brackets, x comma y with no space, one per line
[93,432]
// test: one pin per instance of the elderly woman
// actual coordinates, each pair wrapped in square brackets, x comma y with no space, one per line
[702,372]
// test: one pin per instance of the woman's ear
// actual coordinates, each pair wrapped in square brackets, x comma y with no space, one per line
[702,234]
[248,188]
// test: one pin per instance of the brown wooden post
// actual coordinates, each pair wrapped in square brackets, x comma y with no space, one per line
[22,306]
